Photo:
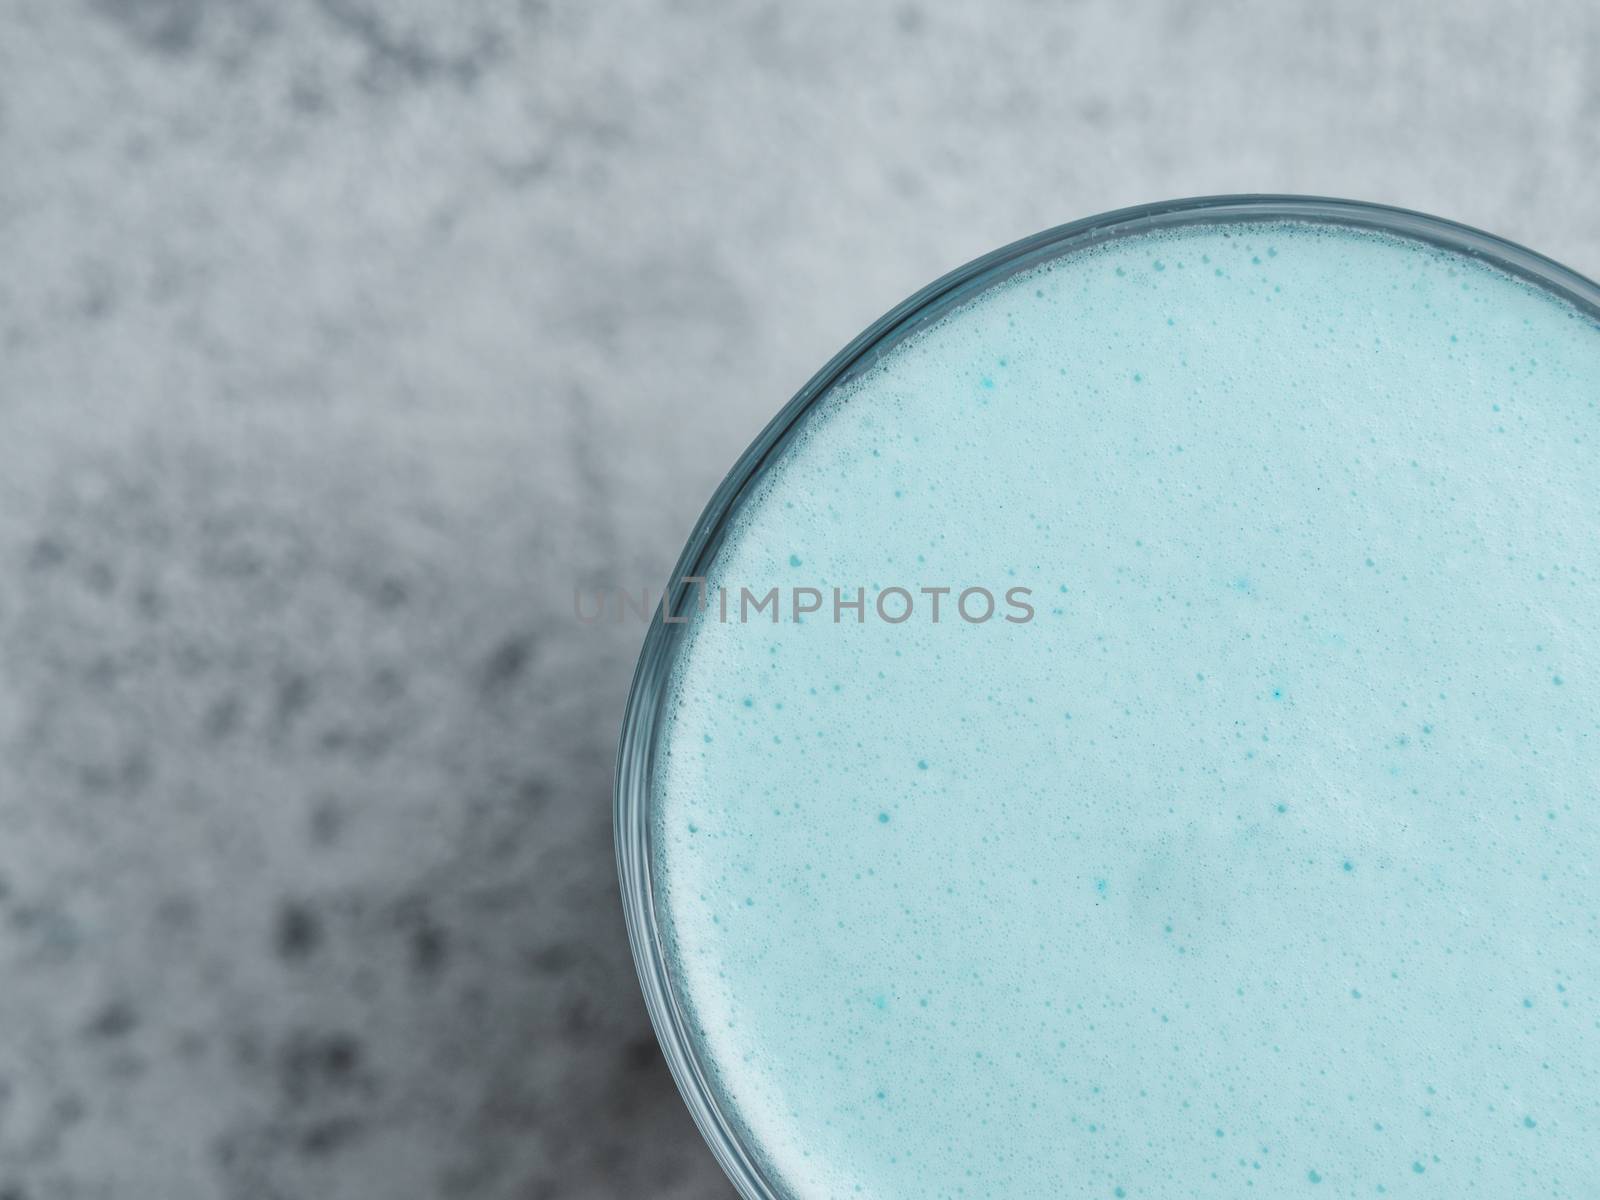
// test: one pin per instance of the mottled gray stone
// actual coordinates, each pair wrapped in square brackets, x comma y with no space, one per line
[340,339]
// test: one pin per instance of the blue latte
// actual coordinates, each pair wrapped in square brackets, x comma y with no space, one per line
[1264,858]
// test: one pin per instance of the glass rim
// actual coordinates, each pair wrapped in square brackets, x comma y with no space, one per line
[642,716]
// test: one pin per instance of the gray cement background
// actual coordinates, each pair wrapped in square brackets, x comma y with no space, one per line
[339,339]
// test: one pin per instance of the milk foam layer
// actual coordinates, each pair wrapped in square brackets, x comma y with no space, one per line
[1265,858]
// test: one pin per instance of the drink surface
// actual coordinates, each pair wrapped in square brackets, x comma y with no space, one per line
[1264,859]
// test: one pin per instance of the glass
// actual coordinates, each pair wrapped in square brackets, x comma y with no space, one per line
[635,762]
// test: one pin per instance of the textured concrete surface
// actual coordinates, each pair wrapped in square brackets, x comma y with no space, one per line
[340,338]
